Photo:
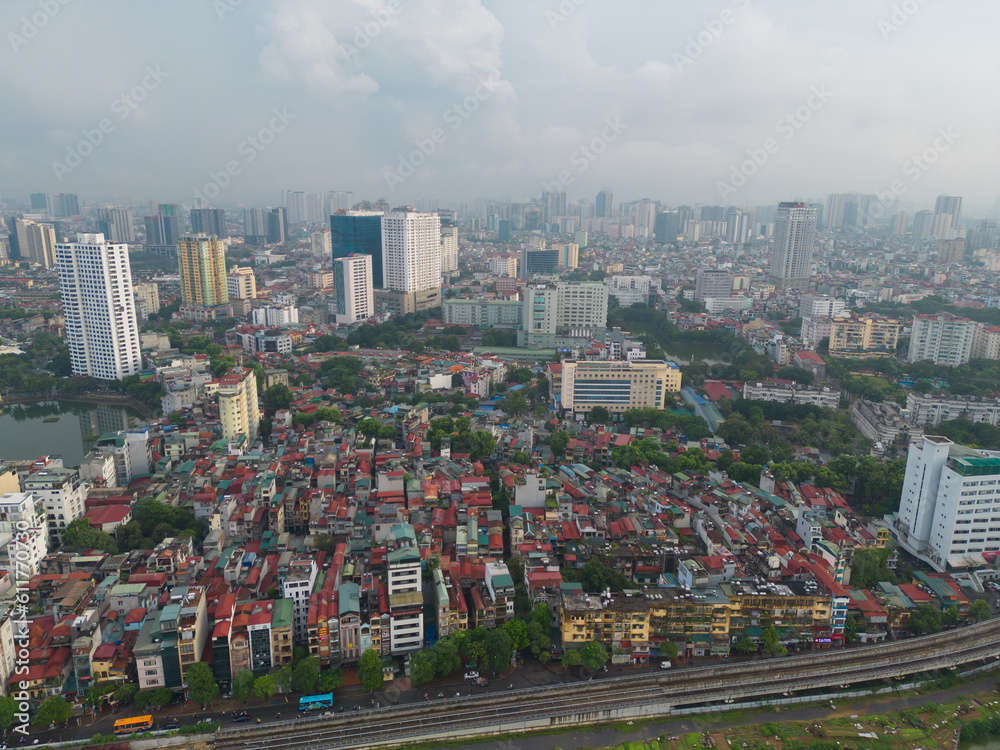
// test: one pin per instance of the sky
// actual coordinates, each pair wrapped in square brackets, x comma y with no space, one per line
[742,102]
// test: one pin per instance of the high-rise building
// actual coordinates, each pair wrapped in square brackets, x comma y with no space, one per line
[645,217]
[201,260]
[984,236]
[820,306]
[352,283]
[62,205]
[239,411]
[603,204]
[359,232]
[950,251]
[565,309]
[255,227]
[304,207]
[147,299]
[569,254]
[39,202]
[668,227]
[505,235]
[923,224]
[868,337]
[449,248]
[36,242]
[411,246]
[404,584]
[737,225]
[553,206]
[949,509]
[14,247]
[712,282]
[162,230]
[99,307]
[210,221]
[539,261]
[899,224]
[277,226]
[320,241]
[241,283]
[61,493]
[115,224]
[339,200]
[794,235]
[950,205]
[579,386]
[945,339]
[941,227]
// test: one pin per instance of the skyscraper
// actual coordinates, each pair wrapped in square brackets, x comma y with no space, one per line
[339,200]
[39,202]
[99,308]
[239,411]
[951,205]
[201,260]
[411,246]
[923,223]
[359,232]
[277,226]
[554,205]
[36,242]
[603,204]
[667,227]
[62,205]
[162,230]
[115,224]
[449,248]
[255,227]
[794,235]
[210,221]
[322,246]
[352,283]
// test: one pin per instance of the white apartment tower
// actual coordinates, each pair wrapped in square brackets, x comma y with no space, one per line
[99,307]
[352,283]
[322,243]
[944,339]
[411,251]
[794,235]
[949,509]
[449,249]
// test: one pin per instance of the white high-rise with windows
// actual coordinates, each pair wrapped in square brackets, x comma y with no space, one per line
[101,326]
[411,251]
[949,509]
[352,283]
[794,235]
[449,249]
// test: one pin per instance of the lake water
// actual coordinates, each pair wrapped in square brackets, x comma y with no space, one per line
[25,434]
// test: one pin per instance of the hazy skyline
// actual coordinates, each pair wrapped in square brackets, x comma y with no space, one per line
[459,99]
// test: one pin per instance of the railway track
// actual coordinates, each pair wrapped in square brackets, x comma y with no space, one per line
[590,701]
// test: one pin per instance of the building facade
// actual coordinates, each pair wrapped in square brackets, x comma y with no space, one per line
[579,386]
[201,260]
[794,235]
[102,328]
[239,411]
[352,284]
[864,338]
[944,339]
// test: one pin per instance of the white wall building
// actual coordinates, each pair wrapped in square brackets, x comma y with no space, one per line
[62,493]
[99,307]
[449,250]
[794,235]
[352,283]
[949,510]
[275,316]
[629,290]
[297,586]
[411,251]
[820,306]
[943,338]
[24,534]
[406,609]
[932,409]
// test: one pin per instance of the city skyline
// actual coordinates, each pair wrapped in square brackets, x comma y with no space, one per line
[485,98]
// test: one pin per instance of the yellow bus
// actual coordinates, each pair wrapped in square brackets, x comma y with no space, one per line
[135,724]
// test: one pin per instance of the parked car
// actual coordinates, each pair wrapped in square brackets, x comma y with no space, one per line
[171,725]
[665,664]
[472,675]
[204,721]
[241,717]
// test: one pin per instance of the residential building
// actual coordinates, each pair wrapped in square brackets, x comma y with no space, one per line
[564,309]
[867,337]
[884,423]
[986,342]
[115,224]
[162,230]
[24,535]
[147,299]
[604,204]
[239,411]
[277,226]
[255,223]
[192,624]
[629,290]
[61,493]
[943,338]
[579,386]
[820,306]
[411,247]
[62,205]
[949,510]
[932,409]
[297,585]
[712,282]
[36,241]
[794,235]
[241,283]
[406,609]
[950,206]
[99,307]
[275,316]
[201,260]
[321,243]
[504,266]
[478,312]
[785,391]
[449,248]
[210,221]
[352,285]
[569,254]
